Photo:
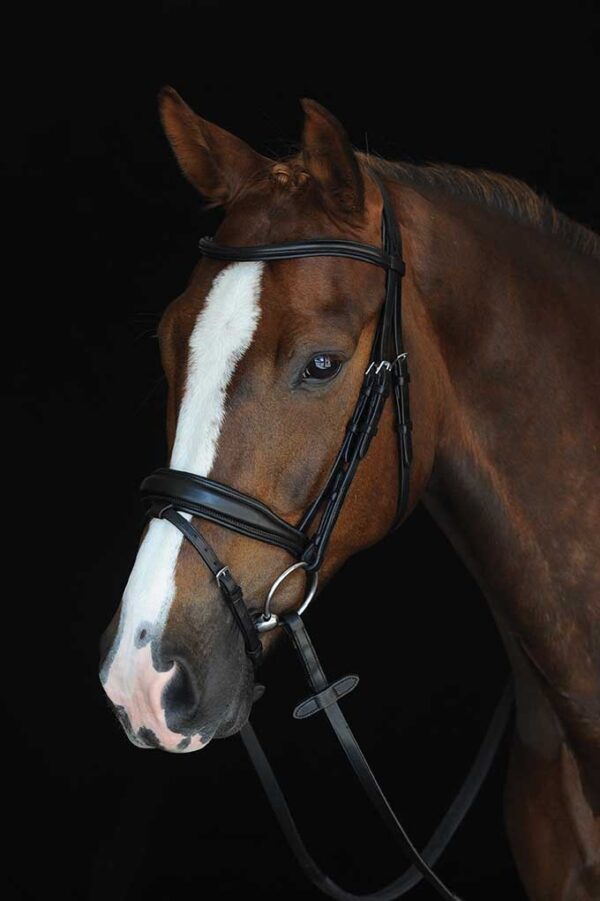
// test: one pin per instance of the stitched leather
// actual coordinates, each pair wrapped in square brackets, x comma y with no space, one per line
[222,504]
[322,699]
[292,250]
[231,591]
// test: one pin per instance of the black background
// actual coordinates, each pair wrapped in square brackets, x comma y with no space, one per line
[101,232]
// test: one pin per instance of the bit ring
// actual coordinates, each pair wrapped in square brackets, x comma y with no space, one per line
[269,620]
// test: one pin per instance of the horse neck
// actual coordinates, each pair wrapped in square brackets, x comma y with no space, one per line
[514,323]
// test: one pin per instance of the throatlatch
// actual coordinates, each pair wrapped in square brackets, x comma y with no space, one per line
[167,492]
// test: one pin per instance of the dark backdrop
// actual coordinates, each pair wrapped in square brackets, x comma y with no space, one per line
[103,233]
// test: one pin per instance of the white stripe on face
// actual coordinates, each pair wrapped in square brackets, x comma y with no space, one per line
[222,334]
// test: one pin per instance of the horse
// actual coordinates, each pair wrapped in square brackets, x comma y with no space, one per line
[501,322]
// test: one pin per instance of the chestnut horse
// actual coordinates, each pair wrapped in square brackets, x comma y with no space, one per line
[502,326]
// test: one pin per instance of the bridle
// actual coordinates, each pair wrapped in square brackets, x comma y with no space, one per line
[168,493]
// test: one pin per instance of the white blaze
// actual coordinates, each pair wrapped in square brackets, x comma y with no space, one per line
[222,334]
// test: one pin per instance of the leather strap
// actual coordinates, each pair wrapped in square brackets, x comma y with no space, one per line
[221,504]
[231,591]
[421,862]
[296,632]
[166,491]
[293,250]
[392,349]
[331,694]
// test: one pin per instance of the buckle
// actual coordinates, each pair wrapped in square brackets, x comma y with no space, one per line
[224,572]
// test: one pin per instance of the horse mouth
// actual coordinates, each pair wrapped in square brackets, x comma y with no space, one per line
[146,739]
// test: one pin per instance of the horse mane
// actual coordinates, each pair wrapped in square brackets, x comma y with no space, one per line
[495,191]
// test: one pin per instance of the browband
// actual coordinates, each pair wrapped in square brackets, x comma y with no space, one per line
[221,504]
[292,250]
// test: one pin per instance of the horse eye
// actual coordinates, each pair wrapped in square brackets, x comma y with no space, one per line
[322,367]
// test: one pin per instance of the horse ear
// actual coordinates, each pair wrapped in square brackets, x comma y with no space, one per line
[330,159]
[215,161]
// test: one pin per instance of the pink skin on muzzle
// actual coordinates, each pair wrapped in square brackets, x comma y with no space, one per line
[138,690]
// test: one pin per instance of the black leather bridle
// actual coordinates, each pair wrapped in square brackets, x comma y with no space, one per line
[167,493]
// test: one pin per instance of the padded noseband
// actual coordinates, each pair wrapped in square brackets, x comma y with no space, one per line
[221,504]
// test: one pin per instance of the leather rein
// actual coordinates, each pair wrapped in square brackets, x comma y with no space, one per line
[167,493]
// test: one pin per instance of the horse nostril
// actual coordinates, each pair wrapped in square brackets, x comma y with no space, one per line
[181,697]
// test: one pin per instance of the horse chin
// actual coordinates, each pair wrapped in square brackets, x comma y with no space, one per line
[197,739]
[230,724]
[147,740]
[227,729]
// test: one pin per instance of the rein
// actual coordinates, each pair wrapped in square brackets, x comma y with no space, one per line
[166,493]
